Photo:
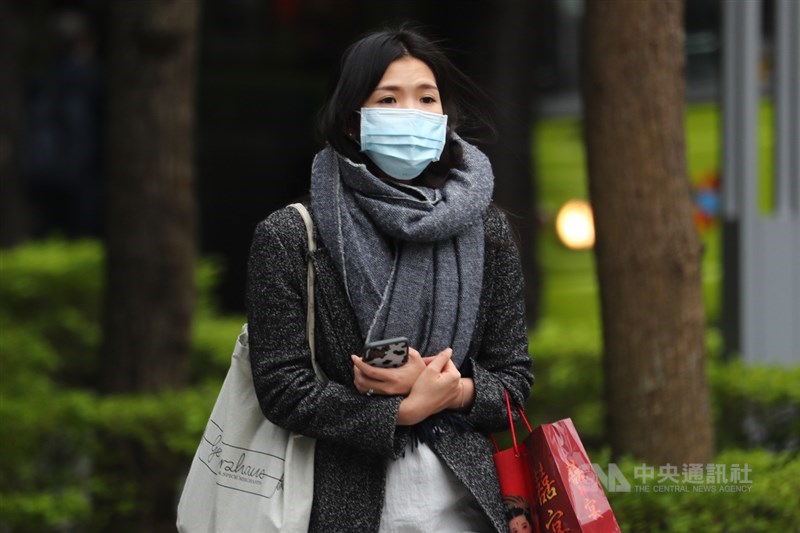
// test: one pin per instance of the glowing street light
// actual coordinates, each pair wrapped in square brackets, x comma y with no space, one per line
[575,225]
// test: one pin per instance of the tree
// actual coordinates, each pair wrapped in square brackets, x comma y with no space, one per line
[13,212]
[648,251]
[151,248]
[511,76]
[151,197]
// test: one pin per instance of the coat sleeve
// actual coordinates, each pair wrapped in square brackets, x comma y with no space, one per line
[502,360]
[287,389]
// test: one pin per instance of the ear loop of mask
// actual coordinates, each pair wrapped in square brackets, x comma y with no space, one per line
[353,137]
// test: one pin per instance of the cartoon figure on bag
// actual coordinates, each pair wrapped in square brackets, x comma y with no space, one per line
[518,513]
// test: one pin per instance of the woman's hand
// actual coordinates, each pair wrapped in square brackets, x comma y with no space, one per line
[437,388]
[388,381]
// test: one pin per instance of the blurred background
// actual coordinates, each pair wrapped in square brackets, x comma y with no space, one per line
[142,141]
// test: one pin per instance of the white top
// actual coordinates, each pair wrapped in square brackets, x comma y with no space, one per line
[423,495]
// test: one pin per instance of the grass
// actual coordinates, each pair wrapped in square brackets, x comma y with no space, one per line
[571,299]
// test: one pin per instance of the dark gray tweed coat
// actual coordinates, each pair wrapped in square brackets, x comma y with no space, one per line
[356,434]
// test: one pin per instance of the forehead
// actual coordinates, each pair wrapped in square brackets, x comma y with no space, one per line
[407,71]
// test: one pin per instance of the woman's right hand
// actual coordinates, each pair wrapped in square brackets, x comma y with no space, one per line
[436,388]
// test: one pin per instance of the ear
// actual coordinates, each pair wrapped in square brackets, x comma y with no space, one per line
[354,135]
[352,128]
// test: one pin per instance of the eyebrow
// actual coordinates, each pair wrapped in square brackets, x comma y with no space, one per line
[397,87]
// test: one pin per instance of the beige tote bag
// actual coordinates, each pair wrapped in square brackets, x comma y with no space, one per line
[249,474]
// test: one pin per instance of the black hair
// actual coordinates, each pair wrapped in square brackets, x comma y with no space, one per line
[362,67]
[513,512]
[517,506]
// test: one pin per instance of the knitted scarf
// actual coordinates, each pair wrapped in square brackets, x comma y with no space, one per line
[411,257]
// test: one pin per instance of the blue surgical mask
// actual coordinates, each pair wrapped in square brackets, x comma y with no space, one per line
[402,142]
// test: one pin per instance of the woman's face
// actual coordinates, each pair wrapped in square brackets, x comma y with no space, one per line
[519,524]
[408,83]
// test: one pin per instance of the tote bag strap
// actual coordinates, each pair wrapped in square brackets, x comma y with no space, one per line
[312,247]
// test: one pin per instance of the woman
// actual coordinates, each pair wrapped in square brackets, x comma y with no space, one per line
[408,247]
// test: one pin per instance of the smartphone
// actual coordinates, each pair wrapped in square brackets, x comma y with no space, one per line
[387,353]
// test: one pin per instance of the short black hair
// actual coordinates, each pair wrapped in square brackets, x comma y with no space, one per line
[362,67]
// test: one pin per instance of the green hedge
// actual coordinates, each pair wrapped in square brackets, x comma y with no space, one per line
[57,432]
[767,399]
[569,383]
[770,503]
[71,432]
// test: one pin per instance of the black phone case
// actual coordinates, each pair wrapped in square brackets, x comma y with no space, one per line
[387,353]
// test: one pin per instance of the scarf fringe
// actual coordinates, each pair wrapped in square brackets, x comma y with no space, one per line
[432,428]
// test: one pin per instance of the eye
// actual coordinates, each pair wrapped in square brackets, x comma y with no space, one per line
[387,100]
[428,100]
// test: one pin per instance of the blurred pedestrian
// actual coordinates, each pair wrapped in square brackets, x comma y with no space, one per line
[61,148]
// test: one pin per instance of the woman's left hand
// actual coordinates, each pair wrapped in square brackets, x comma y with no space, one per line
[388,381]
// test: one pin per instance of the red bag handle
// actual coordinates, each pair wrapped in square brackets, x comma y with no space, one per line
[511,423]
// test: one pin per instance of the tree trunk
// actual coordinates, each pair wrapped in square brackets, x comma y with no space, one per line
[14,212]
[151,195]
[151,233]
[648,251]
[511,75]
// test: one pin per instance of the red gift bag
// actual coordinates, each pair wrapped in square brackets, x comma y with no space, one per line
[516,482]
[567,494]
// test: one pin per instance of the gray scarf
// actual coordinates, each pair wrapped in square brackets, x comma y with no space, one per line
[411,257]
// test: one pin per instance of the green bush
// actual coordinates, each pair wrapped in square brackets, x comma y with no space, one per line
[51,317]
[60,442]
[74,432]
[770,503]
[569,380]
[755,405]
[62,446]
[213,339]
[52,297]
[752,405]
[44,511]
